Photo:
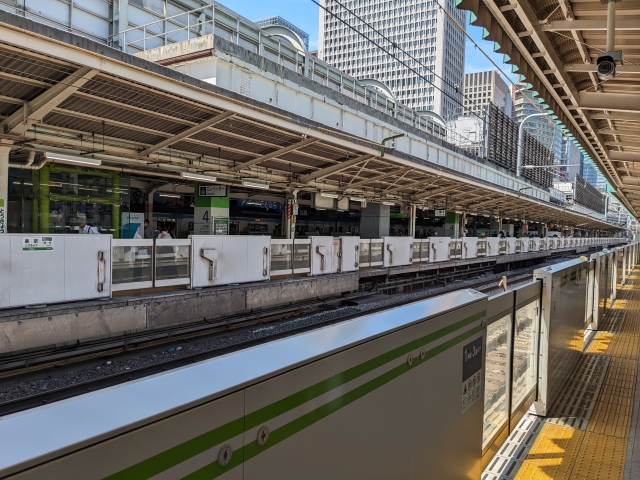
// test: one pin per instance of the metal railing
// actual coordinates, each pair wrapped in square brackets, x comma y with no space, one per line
[218,20]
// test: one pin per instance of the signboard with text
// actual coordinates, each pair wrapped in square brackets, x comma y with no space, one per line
[3,216]
[30,244]
[212,190]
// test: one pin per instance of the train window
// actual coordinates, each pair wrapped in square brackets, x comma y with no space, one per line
[258,227]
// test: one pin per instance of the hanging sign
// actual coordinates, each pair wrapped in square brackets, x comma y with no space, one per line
[440,213]
[212,190]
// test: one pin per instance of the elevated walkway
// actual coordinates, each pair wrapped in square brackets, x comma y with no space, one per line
[591,431]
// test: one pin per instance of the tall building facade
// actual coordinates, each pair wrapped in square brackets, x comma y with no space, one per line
[278,20]
[542,129]
[482,88]
[403,27]
[570,160]
[591,174]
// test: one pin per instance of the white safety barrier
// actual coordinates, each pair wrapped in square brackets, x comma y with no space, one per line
[321,255]
[493,247]
[347,253]
[439,249]
[47,268]
[469,247]
[223,259]
[397,251]
[207,261]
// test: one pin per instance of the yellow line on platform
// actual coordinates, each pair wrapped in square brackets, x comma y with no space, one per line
[562,452]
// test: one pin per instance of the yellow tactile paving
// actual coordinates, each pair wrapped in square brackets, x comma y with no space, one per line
[598,453]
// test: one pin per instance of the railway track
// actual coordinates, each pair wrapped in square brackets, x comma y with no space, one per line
[24,367]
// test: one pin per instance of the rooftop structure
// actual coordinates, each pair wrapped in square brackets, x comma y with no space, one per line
[279,21]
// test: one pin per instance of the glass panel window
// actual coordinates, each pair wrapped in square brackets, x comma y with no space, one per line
[495,381]
[172,261]
[376,252]
[281,257]
[365,249]
[131,264]
[524,352]
[301,257]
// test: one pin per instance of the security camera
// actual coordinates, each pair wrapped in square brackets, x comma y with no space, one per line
[607,64]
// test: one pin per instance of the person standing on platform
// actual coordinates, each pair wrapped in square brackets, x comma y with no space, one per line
[87,229]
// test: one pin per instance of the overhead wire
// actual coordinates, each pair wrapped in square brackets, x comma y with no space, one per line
[520,90]
[394,56]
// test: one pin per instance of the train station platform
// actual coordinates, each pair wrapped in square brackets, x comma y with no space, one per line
[592,430]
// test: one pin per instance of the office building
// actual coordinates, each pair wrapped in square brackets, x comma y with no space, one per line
[482,88]
[403,27]
[542,129]
[591,174]
[570,160]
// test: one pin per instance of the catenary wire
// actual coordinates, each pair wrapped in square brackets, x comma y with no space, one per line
[392,55]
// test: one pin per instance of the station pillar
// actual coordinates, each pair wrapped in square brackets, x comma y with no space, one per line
[412,220]
[495,226]
[452,225]
[375,220]
[4,186]
[211,209]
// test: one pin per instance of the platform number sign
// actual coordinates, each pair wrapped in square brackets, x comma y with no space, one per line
[472,372]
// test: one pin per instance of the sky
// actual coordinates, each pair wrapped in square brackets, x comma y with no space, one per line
[304,14]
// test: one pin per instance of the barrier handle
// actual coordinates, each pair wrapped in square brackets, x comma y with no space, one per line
[211,254]
[265,259]
[101,271]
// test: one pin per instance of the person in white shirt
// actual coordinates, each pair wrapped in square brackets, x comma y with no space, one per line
[88,229]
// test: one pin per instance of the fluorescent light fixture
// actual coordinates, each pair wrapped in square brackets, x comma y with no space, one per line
[197,176]
[358,199]
[328,195]
[391,204]
[255,184]
[170,195]
[72,159]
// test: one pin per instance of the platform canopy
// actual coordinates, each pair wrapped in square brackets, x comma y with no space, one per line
[553,45]
[67,94]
